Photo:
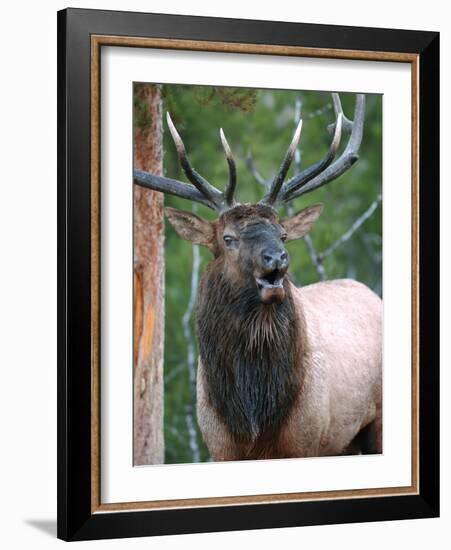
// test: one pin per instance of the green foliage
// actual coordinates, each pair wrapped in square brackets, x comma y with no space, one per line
[262,122]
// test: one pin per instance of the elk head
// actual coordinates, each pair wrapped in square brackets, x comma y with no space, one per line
[249,238]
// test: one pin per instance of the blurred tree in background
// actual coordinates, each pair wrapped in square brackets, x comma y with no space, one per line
[260,123]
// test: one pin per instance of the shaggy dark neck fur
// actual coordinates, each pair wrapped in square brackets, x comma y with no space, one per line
[249,352]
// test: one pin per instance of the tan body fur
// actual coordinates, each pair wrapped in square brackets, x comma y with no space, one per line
[340,375]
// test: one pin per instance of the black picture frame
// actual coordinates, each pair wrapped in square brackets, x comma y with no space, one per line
[76,521]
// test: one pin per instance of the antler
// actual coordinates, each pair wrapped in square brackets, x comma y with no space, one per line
[201,191]
[230,189]
[271,196]
[325,170]
[278,192]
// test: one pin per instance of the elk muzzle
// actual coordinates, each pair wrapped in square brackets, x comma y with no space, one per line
[270,275]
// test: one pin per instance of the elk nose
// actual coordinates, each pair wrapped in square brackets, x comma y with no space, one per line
[274,259]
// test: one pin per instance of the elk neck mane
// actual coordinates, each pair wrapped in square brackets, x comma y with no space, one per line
[250,353]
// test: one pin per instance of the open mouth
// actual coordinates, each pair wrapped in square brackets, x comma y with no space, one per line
[271,280]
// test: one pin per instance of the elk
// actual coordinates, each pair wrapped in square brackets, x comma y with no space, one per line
[283,371]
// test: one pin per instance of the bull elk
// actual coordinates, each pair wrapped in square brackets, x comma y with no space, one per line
[283,371]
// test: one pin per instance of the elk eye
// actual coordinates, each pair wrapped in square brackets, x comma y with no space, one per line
[229,240]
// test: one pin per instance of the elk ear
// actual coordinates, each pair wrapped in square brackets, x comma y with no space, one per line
[300,224]
[190,227]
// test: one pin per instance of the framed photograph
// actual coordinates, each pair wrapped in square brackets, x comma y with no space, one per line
[248,274]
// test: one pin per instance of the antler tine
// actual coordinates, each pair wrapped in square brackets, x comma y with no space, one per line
[347,124]
[271,196]
[210,192]
[202,191]
[231,186]
[171,187]
[309,173]
[347,158]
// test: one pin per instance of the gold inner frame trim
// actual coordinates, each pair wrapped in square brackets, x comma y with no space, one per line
[97,41]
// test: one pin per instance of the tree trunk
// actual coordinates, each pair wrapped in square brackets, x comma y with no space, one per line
[148,440]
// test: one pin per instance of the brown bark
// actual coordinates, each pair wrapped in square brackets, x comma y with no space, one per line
[148,440]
